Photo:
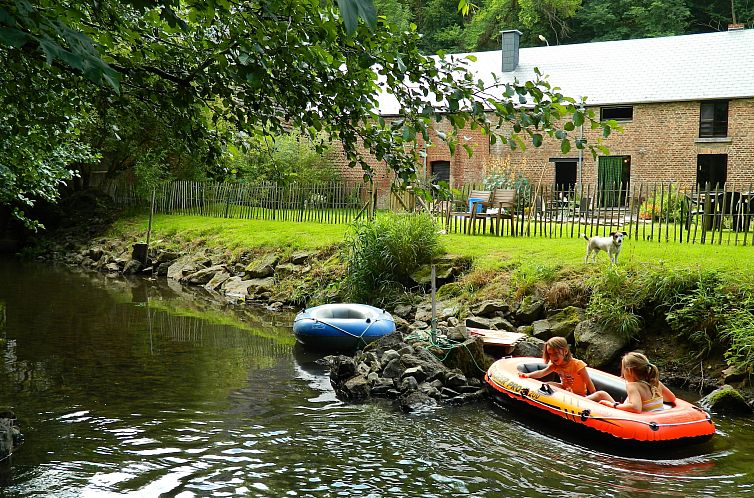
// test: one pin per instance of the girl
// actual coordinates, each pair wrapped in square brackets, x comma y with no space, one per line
[645,391]
[572,372]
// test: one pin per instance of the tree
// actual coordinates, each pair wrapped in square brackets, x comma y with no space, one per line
[602,20]
[259,67]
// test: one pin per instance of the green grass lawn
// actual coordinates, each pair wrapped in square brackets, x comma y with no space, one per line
[488,251]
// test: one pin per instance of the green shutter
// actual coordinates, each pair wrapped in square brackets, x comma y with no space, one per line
[609,179]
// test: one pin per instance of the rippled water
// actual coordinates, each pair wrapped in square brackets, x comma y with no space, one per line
[137,388]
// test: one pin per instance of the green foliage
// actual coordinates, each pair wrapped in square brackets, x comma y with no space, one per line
[717,317]
[283,160]
[667,205]
[499,173]
[200,76]
[383,252]
[602,20]
[613,312]
[528,275]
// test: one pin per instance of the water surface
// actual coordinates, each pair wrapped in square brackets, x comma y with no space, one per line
[144,389]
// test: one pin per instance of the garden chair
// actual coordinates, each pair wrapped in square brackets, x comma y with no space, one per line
[501,207]
[470,210]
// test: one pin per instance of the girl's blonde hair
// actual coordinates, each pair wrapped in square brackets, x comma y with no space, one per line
[641,368]
[557,343]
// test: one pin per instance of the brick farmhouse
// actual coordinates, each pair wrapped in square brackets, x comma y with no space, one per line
[686,105]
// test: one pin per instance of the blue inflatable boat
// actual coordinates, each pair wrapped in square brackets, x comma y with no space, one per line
[342,326]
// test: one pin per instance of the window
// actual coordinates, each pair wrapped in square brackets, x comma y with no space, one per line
[618,113]
[713,119]
[440,171]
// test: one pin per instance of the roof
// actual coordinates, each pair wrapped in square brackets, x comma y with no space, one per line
[668,69]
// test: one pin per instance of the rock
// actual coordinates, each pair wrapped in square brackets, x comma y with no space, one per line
[735,373]
[132,267]
[402,310]
[263,267]
[217,280]
[477,322]
[456,381]
[341,367]
[408,384]
[258,287]
[453,321]
[301,257]
[392,369]
[203,276]
[416,401]
[726,400]
[381,386]
[457,334]
[355,388]
[235,287]
[598,346]
[389,355]
[10,436]
[542,329]
[488,309]
[182,266]
[529,346]
[500,323]
[529,311]
[468,357]
[416,372]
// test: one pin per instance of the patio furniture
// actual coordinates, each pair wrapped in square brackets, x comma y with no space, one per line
[473,208]
[501,207]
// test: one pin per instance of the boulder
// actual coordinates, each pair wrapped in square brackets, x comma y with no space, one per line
[529,311]
[301,257]
[217,280]
[596,345]
[529,346]
[263,267]
[402,310]
[203,276]
[416,401]
[183,266]
[490,308]
[726,400]
[468,357]
[235,287]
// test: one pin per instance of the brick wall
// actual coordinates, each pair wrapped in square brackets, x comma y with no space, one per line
[662,140]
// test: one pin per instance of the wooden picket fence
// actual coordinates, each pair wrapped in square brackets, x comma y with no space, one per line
[662,212]
[334,202]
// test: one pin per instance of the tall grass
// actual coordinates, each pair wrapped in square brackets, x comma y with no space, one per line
[383,252]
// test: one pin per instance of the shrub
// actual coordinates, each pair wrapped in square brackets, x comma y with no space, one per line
[383,252]
[499,173]
[666,205]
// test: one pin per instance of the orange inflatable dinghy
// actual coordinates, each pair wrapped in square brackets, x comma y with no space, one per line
[679,423]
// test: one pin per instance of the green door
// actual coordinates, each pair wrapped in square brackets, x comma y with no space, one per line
[611,180]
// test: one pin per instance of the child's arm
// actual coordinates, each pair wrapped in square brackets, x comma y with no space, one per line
[667,394]
[633,400]
[538,374]
[587,381]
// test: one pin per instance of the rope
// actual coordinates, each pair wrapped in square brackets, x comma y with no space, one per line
[443,344]
[359,337]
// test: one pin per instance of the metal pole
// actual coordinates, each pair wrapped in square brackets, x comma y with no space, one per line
[434,305]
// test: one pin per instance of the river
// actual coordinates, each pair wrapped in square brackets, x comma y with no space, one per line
[134,387]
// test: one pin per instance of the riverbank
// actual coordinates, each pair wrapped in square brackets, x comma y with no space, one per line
[532,280]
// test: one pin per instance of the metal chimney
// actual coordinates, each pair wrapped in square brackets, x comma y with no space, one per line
[510,49]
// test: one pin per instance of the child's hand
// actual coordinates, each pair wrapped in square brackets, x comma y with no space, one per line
[523,375]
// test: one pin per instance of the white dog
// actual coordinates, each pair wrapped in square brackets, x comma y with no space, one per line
[611,245]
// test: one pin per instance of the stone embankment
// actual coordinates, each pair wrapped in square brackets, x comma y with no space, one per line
[409,365]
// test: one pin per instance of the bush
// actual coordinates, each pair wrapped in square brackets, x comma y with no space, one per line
[499,173]
[666,205]
[283,160]
[383,252]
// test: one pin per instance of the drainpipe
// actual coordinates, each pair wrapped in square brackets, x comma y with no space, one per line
[581,150]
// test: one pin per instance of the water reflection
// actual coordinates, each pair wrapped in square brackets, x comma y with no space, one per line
[135,388]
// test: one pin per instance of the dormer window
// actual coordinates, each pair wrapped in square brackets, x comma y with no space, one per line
[713,119]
